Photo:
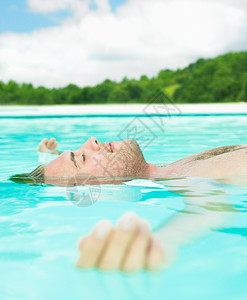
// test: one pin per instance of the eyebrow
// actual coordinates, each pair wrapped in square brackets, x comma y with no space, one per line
[72,157]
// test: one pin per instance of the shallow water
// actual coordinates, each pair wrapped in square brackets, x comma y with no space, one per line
[40,225]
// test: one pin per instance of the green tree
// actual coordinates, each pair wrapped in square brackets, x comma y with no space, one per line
[221,79]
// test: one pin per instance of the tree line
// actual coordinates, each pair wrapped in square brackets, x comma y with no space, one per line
[221,79]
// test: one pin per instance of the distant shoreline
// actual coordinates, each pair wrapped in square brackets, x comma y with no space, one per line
[218,80]
[122,110]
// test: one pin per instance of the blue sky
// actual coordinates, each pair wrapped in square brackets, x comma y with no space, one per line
[16,16]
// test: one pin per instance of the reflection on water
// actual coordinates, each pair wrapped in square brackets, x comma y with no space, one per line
[40,225]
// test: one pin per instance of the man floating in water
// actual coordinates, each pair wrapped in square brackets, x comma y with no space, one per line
[125,158]
[131,246]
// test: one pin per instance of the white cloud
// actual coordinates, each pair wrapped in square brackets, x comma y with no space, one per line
[47,6]
[142,37]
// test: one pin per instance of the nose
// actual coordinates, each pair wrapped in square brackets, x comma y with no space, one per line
[94,144]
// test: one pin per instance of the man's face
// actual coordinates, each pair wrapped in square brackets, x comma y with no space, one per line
[115,159]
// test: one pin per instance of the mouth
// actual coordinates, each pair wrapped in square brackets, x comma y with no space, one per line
[111,146]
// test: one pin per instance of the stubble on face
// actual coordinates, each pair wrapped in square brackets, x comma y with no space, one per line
[129,160]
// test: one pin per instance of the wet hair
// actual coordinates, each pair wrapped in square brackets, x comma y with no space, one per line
[35,177]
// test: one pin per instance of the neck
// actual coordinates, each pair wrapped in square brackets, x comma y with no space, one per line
[160,171]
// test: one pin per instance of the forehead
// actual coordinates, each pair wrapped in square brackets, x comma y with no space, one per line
[60,165]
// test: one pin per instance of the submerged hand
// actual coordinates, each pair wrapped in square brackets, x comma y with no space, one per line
[48,146]
[128,247]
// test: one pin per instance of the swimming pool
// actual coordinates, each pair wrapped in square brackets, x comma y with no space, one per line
[40,225]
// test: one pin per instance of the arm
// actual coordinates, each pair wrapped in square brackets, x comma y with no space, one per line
[207,207]
[131,246]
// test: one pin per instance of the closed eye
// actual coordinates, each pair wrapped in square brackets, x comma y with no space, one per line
[72,157]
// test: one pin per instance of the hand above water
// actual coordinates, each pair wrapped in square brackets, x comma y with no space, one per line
[48,146]
[128,247]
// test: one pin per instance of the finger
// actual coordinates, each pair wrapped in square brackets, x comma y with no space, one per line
[92,245]
[54,145]
[155,256]
[44,141]
[41,147]
[82,242]
[137,252]
[118,243]
[50,143]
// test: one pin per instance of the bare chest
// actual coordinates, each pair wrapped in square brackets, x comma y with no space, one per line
[227,164]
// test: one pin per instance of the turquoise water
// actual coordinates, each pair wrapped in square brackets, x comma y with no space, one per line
[40,225]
